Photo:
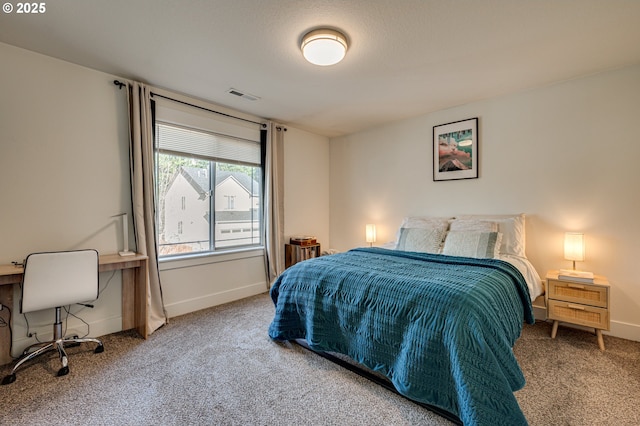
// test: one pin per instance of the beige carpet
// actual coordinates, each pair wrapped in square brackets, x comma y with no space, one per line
[219,367]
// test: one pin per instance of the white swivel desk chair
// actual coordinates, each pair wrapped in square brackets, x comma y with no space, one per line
[53,280]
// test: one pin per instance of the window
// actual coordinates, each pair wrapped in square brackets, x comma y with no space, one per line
[208,184]
[231,201]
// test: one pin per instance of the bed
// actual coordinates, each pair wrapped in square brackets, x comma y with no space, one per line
[437,315]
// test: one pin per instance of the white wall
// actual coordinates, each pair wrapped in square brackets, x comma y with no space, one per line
[566,155]
[64,171]
[197,283]
[306,186]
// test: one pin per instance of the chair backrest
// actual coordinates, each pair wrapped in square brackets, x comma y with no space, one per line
[58,279]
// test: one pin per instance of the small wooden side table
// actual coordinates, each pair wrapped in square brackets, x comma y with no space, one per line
[581,303]
[294,253]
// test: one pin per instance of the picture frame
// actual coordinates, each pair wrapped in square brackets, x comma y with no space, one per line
[455,150]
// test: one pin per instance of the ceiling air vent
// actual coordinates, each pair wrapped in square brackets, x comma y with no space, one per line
[243,95]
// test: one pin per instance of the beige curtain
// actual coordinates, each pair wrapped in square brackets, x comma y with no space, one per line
[141,159]
[274,202]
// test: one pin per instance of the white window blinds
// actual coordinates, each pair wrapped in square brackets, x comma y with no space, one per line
[183,129]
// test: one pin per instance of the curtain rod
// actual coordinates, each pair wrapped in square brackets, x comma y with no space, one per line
[263,125]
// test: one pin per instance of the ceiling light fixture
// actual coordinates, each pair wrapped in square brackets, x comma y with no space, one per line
[324,46]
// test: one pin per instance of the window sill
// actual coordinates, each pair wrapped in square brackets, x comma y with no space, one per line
[199,259]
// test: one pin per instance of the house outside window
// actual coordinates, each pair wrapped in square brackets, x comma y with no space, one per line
[205,202]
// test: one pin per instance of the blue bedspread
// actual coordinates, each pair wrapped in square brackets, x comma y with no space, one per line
[441,328]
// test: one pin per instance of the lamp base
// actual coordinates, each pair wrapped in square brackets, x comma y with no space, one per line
[576,274]
[127,253]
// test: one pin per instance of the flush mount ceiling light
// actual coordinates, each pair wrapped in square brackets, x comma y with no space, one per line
[324,47]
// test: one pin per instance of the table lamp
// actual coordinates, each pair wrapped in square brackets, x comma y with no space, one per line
[370,234]
[125,235]
[574,251]
[574,247]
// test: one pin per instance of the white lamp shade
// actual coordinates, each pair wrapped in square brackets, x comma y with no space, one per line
[370,233]
[574,246]
[324,47]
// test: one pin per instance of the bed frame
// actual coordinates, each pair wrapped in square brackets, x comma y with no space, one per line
[377,379]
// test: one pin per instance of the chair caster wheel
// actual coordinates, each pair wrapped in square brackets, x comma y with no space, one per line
[9,379]
[99,349]
[63,371]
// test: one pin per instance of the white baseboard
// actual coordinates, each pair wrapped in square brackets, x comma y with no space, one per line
[618,329]
[110,325]
[206,301]
[624,330]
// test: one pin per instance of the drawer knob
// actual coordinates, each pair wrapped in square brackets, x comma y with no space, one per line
[581,287]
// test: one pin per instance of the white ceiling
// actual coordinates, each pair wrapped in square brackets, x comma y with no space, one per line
[406,57]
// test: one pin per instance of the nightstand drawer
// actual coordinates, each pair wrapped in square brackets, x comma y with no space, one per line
[577,292]
[589,316]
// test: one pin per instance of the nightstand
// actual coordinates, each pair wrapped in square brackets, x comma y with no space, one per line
[580,303]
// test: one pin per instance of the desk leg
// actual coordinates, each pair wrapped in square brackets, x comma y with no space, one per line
[142,297]
[128,299]
[6,298]
[134,298]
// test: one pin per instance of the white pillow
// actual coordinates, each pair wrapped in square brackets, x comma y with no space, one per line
[480,245]
[512,228]
[473,225]
[425,240]
[425,222]
[440,224]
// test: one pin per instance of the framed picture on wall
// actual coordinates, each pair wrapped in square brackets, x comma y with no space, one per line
[455,150]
